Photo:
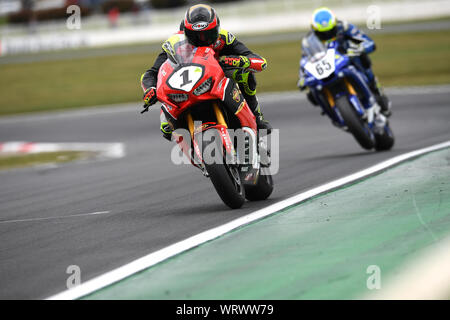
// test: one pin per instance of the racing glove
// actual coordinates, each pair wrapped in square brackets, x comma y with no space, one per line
[150,96]
[301,84]
[301,80]
[355,50]
[240,62]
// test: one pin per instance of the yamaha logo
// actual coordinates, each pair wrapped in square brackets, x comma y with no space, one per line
[200,25]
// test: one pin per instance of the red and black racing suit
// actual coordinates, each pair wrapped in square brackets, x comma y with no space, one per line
[226,45]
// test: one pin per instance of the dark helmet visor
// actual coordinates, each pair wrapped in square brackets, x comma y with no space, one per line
[202,38]
[326,35]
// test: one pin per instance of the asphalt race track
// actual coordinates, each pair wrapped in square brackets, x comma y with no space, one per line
[150,202]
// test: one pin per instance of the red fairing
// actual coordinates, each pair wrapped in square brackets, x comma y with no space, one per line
[246,117]
[210,68]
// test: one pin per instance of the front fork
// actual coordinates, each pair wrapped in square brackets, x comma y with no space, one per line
[367,114]
[247,159]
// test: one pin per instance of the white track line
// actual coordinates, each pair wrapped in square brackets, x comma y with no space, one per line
[52,218]
[179,247]
[110,150]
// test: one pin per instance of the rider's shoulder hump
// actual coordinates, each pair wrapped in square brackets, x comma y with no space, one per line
[169,45]
[176,37]
[228,36]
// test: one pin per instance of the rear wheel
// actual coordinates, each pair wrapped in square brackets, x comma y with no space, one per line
[358,128]
[263,188]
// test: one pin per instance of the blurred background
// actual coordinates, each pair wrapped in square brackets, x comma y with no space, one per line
[58,55]
[53,58]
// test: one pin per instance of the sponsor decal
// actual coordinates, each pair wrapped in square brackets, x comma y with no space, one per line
[168,48]
[236,95]
[203,127]
[240,107]
[232,61]
[219,43]
[226,138]
[249,177]
[205,53]
[230,38]
[221,83]
[200,26]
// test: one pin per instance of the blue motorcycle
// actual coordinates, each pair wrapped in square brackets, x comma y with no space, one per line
[341,90]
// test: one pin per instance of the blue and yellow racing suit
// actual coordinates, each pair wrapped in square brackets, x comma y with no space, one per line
[358,45]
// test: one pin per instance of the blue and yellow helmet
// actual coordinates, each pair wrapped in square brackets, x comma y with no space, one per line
[323,23]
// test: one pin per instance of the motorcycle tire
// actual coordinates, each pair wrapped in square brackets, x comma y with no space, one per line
[386,140]
[357,127]
[263,188]
[227,182]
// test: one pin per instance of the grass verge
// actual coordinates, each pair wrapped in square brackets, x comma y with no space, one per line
[401,59]
[27,160]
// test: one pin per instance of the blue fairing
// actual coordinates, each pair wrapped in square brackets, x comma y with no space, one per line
[343,68]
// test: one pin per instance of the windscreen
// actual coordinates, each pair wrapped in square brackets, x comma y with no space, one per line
[179,53]
[313,48]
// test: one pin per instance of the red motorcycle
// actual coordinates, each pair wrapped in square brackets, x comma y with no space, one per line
[199,98]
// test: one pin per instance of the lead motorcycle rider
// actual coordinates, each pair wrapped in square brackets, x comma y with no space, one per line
[201,28]
[352,42]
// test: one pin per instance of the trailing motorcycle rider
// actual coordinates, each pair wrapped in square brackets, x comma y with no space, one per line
[201,27]
[352,42]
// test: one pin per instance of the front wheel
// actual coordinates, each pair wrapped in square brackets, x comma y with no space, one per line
[386,140]
[228,184]
[358,127]
[263,188]
[226,180]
